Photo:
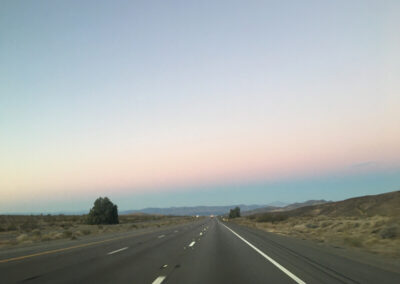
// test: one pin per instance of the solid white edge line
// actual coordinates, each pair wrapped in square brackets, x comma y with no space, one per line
[159,280]
[192,244]
[287,272]
[118,250]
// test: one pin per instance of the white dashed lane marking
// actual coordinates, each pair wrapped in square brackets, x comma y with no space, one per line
[118,250]
[159,280]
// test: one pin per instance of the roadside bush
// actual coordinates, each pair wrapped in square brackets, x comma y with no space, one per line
[46,238]
[390,232]
[36,232]
[66,225]
[103,212]
[11,227]
[311,226]
[355,242]
[272,218]
[67,234]
[251,217]
[86,232]
[28,226]
[22,238]
[234,213]
[326,224]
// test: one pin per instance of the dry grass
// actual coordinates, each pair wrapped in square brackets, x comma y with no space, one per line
[370,223]
[376,234]
[18,229]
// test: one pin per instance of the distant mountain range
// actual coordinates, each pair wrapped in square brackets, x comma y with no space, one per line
[276,206]
[196,210]
[222,210]
[285,208]
[177,211]
[384,204]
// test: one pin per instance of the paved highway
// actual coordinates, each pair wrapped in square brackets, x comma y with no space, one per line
[205,251]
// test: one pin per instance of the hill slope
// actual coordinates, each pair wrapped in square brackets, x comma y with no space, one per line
[386,204]
[371,223]
[284,208]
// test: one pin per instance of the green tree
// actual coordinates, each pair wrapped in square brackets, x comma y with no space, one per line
[103,212]
[234,213]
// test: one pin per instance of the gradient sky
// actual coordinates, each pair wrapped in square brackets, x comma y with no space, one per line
[171,103]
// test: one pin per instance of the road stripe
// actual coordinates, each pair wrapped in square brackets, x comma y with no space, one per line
[161,236]
[118,250]
[68,248]
[56,250]
[287,272]
[192,244]
[159,280]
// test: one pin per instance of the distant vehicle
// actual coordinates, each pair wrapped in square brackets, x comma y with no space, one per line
[212,216]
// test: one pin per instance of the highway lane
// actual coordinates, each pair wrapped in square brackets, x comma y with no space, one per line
[142,259]
[205,251]
[313,263]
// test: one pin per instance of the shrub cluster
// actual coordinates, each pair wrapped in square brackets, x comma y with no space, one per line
[103,212]
[271,217]
[390,232]
[234,213]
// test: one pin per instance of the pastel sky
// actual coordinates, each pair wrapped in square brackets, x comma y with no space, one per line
[172,103]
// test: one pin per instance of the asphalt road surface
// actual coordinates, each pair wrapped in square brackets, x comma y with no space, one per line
[205,251]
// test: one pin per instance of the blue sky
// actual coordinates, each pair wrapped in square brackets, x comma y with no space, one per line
[163,103]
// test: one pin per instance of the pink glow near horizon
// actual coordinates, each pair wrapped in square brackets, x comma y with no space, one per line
[155,170]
